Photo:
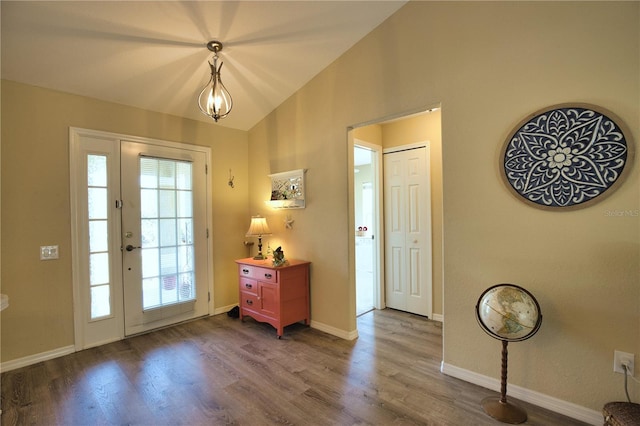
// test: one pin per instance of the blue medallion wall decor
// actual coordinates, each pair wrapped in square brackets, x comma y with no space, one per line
[566,155]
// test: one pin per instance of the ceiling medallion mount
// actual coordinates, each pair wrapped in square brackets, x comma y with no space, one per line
[215,46]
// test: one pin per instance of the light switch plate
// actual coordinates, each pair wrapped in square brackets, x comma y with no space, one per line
[48,252]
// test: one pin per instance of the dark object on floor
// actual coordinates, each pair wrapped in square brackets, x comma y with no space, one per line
[234,312]
[621,414]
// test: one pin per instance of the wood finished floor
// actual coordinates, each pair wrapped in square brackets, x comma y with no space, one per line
[218,371]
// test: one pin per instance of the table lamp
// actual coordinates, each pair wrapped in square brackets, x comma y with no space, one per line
[258,228]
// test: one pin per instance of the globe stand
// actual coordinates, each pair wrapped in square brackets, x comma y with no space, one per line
[509,313]
[499,408]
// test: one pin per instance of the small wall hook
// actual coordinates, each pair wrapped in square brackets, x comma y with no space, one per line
[231,179]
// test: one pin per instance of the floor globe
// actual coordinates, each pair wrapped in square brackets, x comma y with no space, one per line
[509,313]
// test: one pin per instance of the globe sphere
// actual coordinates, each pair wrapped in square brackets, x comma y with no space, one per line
[508,312]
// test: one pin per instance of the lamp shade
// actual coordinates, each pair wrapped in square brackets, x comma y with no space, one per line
[258,227]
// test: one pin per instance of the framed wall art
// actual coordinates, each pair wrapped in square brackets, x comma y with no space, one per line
[566,156]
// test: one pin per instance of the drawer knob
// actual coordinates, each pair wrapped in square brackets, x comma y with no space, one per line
[245,271]
[247,285]
[268,276]
[249,302]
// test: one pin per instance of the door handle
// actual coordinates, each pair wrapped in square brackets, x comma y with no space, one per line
[131,248]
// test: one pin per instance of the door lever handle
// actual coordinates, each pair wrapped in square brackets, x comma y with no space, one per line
[131,248]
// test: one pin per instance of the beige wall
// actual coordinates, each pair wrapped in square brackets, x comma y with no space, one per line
[489,65]
[36,205]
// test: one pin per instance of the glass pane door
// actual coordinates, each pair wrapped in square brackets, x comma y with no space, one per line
[164,235]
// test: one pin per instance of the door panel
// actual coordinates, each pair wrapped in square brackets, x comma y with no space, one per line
[164,235]
[97,269]
[269,299]
[408,230]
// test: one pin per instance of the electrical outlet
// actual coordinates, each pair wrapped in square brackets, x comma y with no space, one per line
[48,252]
[620,358]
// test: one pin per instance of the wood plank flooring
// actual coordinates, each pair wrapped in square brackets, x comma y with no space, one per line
[219,370]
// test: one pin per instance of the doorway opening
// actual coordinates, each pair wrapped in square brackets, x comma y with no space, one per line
[373,258]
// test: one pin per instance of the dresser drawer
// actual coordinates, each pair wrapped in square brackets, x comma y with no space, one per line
[255,272]
[250,301]
[248,285]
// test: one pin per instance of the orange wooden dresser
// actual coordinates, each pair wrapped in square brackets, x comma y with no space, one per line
[275,295]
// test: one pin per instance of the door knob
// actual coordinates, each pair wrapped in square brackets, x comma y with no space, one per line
[131,248]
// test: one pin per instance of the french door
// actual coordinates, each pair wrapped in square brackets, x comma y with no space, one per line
[164,235]
[140,235]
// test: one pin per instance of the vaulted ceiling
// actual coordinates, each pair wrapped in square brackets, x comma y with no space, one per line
[153,55]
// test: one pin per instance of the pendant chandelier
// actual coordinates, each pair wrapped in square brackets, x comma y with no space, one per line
[214,100]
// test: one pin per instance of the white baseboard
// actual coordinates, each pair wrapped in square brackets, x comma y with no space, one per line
[556,405]
[224,309]
[36,358]
[437,317]
[347,335]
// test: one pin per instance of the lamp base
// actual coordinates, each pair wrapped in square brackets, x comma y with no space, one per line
[259,256]
[505,412]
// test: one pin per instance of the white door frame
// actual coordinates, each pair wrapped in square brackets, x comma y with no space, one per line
[79,296]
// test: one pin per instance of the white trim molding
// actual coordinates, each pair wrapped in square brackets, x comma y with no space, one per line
[223,309]
[556,405]
[36,358]
[347,335]
[437,317]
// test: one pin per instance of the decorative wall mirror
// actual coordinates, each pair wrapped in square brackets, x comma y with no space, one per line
[287,190]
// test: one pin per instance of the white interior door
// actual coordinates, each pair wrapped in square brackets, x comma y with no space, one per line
[407,200]
[366,219]
[164,235]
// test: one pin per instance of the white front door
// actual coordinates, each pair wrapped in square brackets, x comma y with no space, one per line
[164,235]
[407,200]
[140,247]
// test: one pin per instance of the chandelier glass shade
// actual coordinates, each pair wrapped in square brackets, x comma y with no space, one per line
[214,99]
